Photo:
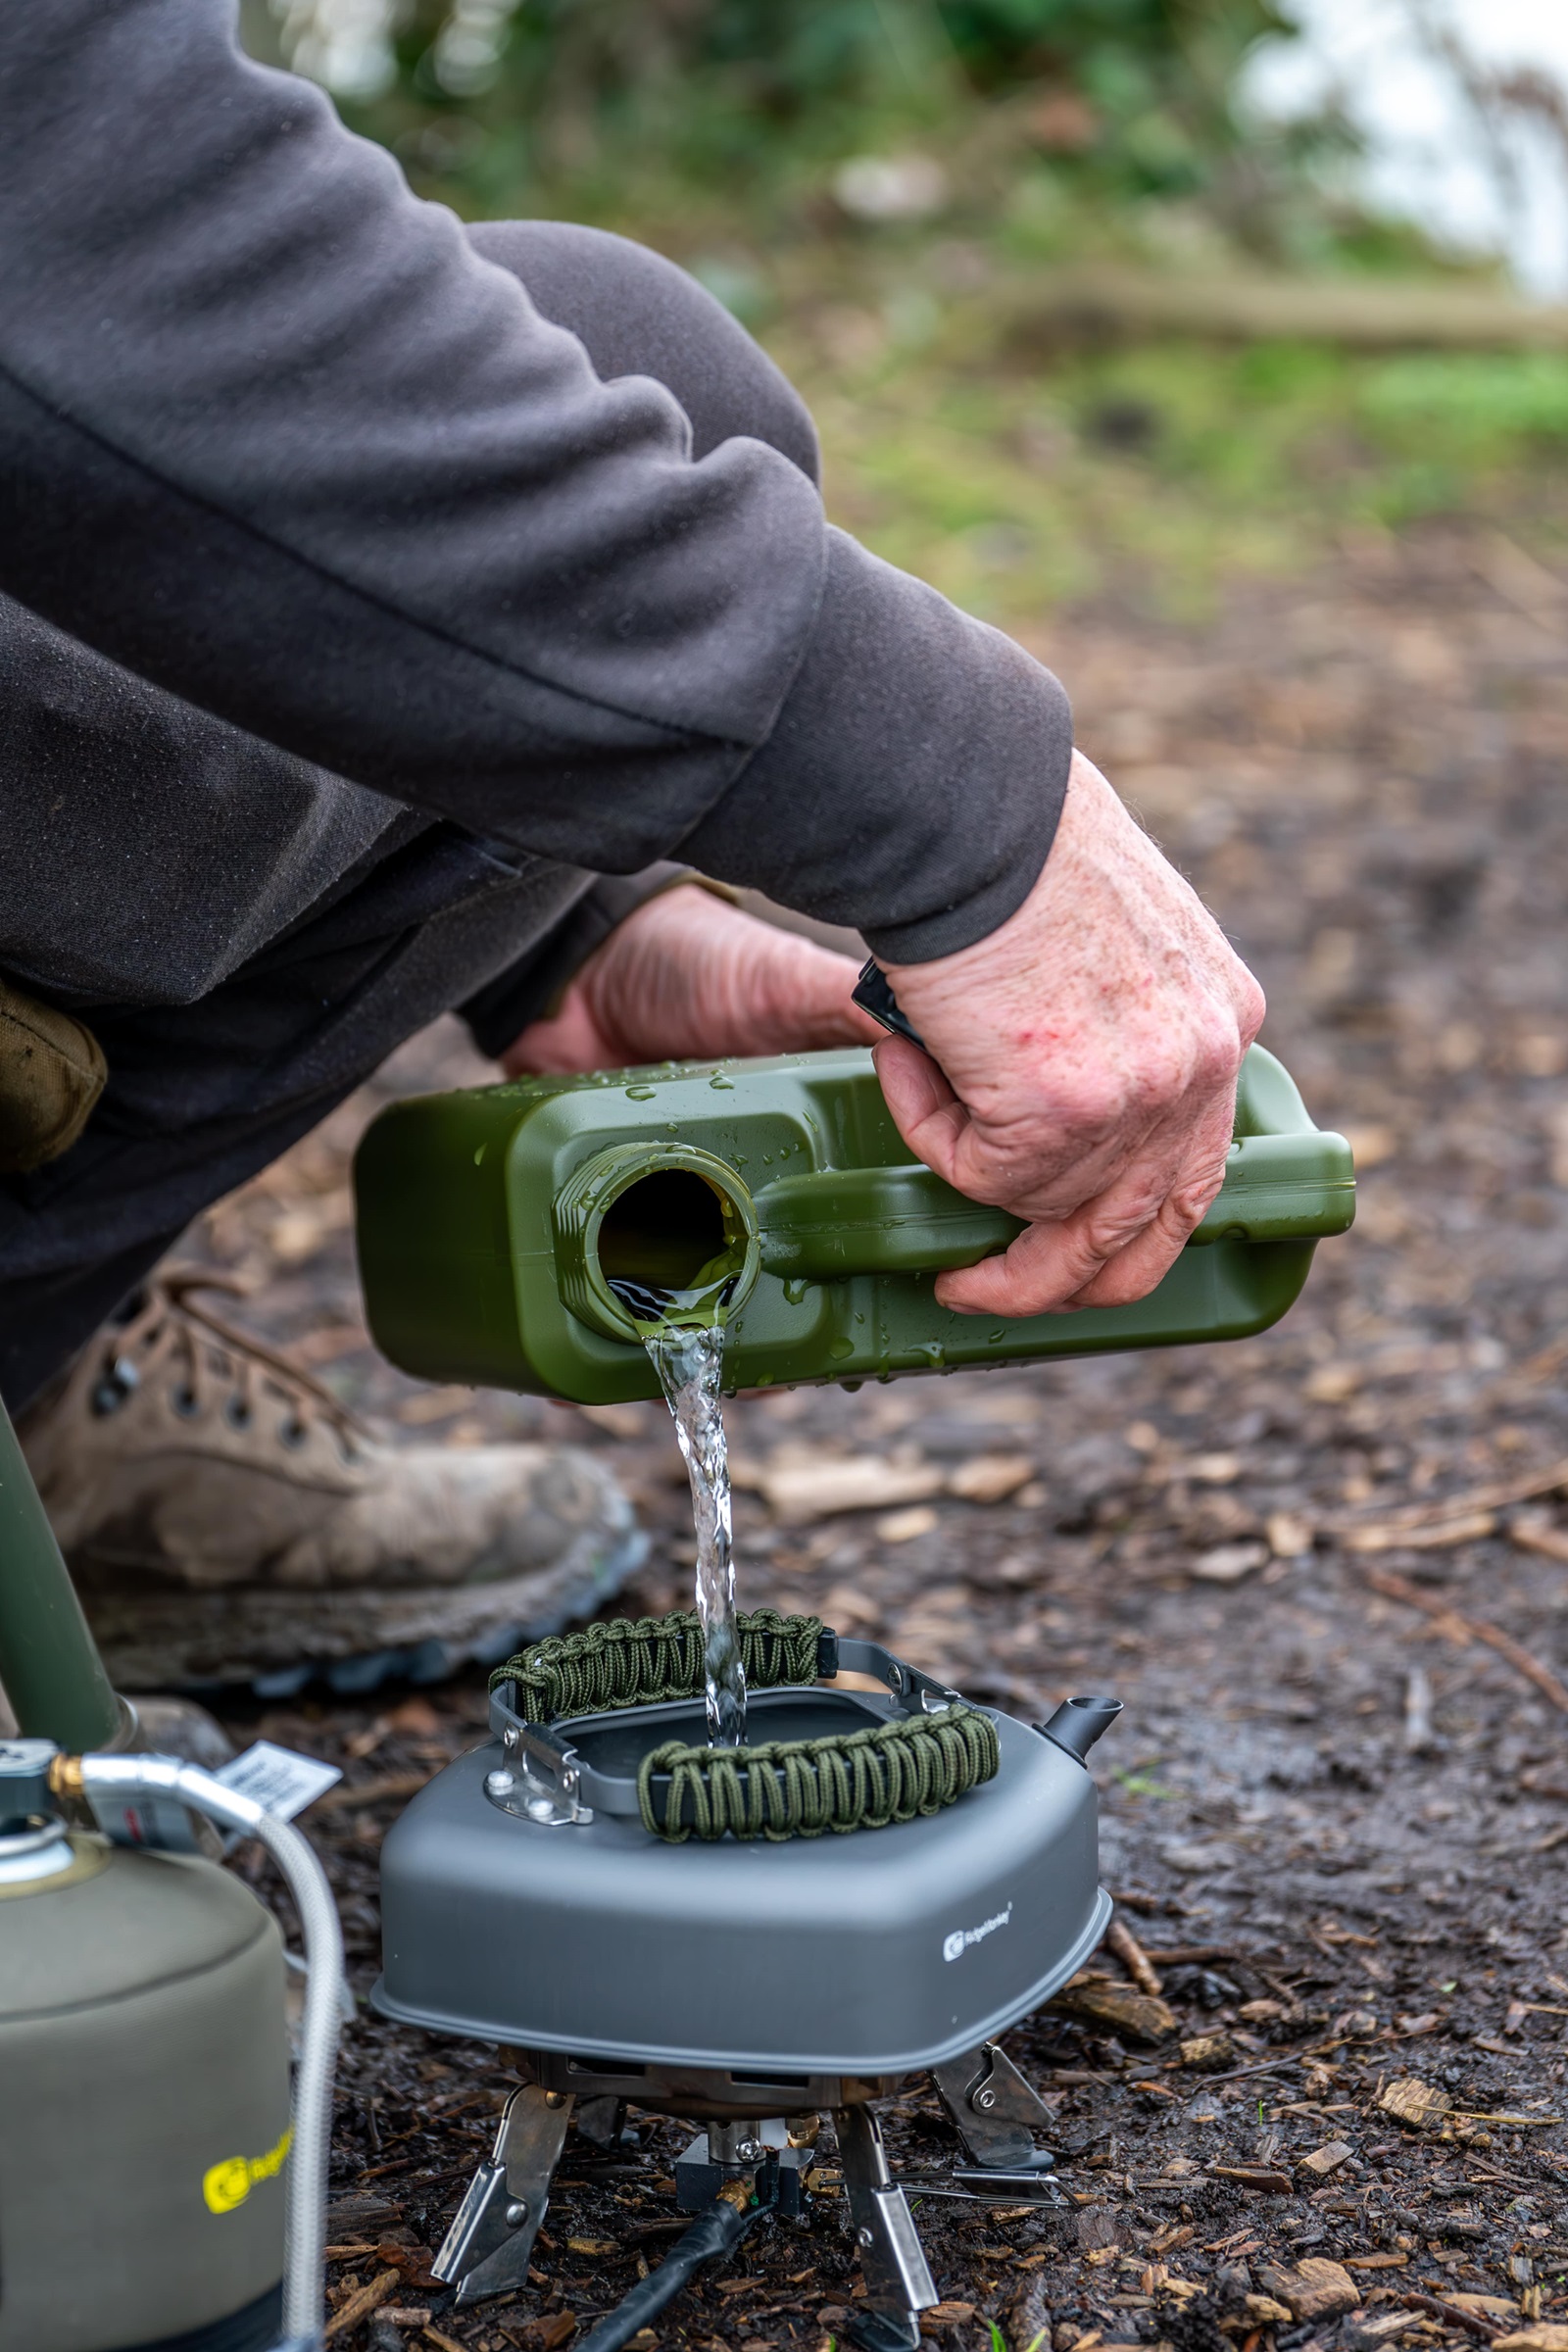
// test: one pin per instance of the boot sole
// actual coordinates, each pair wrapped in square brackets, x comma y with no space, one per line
[274,1643]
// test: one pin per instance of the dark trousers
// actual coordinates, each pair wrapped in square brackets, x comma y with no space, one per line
[408,919]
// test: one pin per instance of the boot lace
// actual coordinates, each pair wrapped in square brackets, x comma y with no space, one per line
[213,1367]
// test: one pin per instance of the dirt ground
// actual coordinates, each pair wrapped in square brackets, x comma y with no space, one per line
[1325,1570]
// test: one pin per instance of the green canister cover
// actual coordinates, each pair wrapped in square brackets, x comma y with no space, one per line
[144,2107]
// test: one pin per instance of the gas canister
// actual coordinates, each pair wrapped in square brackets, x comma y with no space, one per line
[144,2092]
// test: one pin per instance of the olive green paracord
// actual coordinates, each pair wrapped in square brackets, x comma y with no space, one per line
[865,1779]
[889,1772]
[640,1661]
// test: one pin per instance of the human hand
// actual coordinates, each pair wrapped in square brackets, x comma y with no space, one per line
[1082,1067]
[688,976]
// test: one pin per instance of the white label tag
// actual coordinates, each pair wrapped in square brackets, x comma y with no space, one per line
[278,1777]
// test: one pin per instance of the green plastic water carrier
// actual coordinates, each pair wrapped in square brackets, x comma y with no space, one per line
[494,1224]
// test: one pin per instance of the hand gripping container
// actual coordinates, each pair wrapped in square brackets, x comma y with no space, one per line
[493,1224]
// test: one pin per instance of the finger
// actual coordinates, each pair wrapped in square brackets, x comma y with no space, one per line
[1134,1271]
[1051,1261]
[923,1106]
[568,1041]
[1119,1246]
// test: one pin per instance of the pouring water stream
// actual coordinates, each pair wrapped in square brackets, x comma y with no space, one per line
[689,1359]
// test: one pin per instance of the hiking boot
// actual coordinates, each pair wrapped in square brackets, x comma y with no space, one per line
[228,1521]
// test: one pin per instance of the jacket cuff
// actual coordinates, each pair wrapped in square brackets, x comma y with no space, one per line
[911,785]
[534,985]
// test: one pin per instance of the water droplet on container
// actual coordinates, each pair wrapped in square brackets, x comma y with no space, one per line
[641,1094]
[840,1347]
[794,1290]
[994,1337]
[478,1158]
[723,1086]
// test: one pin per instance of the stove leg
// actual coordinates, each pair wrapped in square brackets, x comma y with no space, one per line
[994,2110]
[487,2249]
[897,2280]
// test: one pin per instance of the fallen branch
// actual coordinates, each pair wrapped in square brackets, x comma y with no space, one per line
[1100,299]
[1462,1628]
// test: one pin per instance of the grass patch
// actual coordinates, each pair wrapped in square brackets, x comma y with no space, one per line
[1160,474]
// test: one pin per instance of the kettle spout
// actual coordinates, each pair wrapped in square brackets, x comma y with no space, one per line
[1079,1721]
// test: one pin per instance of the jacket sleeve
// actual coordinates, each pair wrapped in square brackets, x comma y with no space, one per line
[277,439]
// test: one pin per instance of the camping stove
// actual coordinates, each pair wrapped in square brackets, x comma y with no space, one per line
[747,1984]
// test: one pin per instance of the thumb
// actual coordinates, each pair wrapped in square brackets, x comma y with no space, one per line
[924,1108]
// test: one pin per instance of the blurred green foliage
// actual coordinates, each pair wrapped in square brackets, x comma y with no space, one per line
[584,104]
[870,184]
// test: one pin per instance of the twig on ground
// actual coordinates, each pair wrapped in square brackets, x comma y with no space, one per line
[360,2304]
[1120,1939]
[1474,2323]
[1269,2066]
[1531,1533]
[1191,1956]
[371,1792]
[1433,1525]
[1462,1628]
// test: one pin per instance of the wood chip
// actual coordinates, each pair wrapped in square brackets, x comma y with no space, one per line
[363,2301]
[1411,2101]
[1376,2262]
[1327,2158]
[1140,2015]
[901,1527]
[817,1487]
[1545,2335]
[545,2333]
[1228,1563]
[947,2315]
[1316,2290]
[1474,1629]
[1265,2310]
[1267,2179]
[1206,2053]
[991,1476]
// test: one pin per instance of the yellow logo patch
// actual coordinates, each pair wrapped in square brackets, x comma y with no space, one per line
[227,2184]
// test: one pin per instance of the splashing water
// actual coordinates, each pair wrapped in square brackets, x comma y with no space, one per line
[689,1363]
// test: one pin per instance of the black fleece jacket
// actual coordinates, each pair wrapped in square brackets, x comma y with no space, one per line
[276,439]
